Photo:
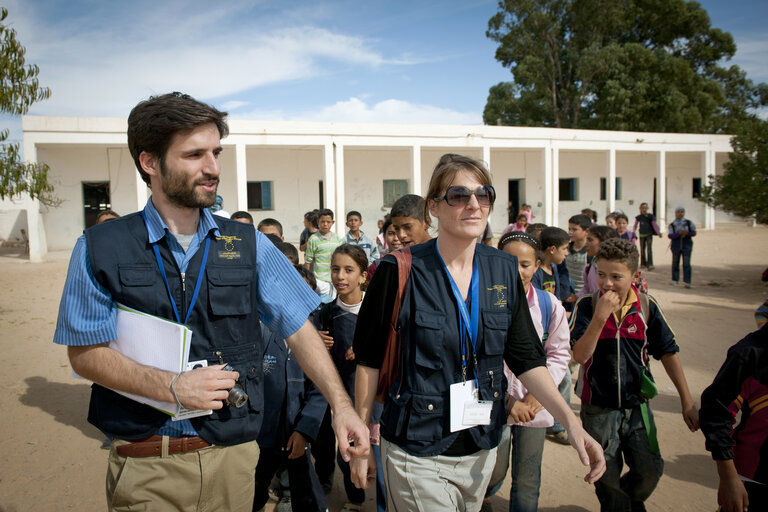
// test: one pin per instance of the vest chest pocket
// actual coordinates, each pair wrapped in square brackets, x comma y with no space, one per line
[137,275]
[429,339]
[229,290]
[495,327]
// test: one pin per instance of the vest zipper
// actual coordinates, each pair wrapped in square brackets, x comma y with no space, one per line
[183,282]
[618,359]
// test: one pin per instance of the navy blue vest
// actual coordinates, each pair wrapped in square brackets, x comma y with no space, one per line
[224,319]
[416,413]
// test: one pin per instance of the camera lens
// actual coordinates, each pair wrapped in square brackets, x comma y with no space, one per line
[237,396]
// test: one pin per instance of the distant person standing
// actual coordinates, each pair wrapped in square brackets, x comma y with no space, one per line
[681,230]
[645,228]
[355,236]
[320,247]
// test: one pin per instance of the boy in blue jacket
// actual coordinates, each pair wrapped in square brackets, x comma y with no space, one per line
[293,411]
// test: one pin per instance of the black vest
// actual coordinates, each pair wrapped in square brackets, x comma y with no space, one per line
[416,413]
[224,319]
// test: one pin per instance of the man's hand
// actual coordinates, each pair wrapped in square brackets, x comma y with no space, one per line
[363,471]
[205,388]
[296,445]
[606,305]
[350,428]
[590,453]
[328,340]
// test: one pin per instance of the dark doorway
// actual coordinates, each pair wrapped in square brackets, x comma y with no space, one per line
[95,200]
[321,193]
[514,198]
[653,207]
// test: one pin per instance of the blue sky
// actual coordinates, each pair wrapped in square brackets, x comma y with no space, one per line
[348,61]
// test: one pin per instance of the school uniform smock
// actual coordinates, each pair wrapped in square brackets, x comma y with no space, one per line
[416,415]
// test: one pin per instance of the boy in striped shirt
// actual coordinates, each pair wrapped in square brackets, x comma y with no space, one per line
[320,248]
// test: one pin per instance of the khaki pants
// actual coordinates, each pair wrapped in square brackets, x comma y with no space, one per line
[437,482]
[212,479]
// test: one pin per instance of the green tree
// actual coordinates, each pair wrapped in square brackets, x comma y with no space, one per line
[644,65]
[19,89]
[743,188]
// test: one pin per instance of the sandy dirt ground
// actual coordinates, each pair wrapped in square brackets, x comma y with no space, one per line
[52,458]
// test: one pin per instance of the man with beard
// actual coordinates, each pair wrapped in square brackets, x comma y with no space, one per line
[219,277]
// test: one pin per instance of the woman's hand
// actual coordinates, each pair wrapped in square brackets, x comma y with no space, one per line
[590,453]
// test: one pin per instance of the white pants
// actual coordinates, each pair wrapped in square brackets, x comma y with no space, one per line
[437,482]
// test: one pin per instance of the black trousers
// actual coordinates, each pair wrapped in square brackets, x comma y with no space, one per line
[306,492]
[646,251]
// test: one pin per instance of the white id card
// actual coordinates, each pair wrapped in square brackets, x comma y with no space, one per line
[466,409]
[185,413]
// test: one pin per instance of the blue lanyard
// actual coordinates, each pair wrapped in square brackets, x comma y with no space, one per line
[165,278]
[468,320]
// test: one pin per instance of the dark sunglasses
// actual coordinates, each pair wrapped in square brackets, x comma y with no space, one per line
[459,196]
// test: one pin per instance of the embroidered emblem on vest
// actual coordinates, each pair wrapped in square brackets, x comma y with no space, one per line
[229,252]
[501,299]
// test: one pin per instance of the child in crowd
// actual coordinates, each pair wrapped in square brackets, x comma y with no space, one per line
[535,229]
[741,385]
[320,247]
[410,223]
[338,319]
[310,228]
[271,226]
[360,239]
[645,228]
[381,243]
[592,214]
[576,260]
[681,230]
[527,418]
[293,410]
[520,225]
[622,221]
[613,333]
[595,235]
[392,243]
[309,277]
[610,220]
[244,217]
[526,210]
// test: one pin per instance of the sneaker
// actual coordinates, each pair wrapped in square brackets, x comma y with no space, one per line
[650,268]
[688,285]
[284,505]
[559,437]
[673,283]
[351,507]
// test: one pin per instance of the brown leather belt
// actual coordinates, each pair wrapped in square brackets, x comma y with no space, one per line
[152,446]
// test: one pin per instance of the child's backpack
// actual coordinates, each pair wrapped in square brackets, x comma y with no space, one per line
[545,306]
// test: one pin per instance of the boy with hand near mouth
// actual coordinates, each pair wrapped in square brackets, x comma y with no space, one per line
[614,331]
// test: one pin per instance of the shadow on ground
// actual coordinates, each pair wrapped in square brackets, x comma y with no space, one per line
[696,468]
[67,403]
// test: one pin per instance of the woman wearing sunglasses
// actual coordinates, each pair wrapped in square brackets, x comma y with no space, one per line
[464,313]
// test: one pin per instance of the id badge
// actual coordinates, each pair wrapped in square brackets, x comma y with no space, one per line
[467,410]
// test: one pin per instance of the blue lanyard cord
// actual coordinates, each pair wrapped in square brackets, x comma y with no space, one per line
[165,278]
[468,320]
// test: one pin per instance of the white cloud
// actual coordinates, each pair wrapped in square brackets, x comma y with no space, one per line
[356,110]
[234,105]
[750,56]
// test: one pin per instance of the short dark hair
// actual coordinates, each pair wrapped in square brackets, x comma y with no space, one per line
[274,239]
[325,212]
[603,232]
[242,215]
[410,205]
[620,250]
[271,222]
[622,216]
[290,251]
[106,213]
[153,123]
[581,220]
[354,213]
[312,217]
[589,212]
[553,237]
[535,229]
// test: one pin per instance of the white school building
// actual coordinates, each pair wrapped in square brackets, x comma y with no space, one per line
[282,169]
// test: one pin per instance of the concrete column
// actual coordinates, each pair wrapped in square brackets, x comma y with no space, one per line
[339,210]
[661,190]
[611,179]
[546,157]
[487,156]
[241,176]
[708,171]
[416,169]
[38,245]
[555,184]
[329,179]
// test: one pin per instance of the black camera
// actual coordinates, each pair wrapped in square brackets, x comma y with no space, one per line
[237,395]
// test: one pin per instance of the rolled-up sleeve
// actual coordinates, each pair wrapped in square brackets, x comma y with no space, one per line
[285,300]
[87,313]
